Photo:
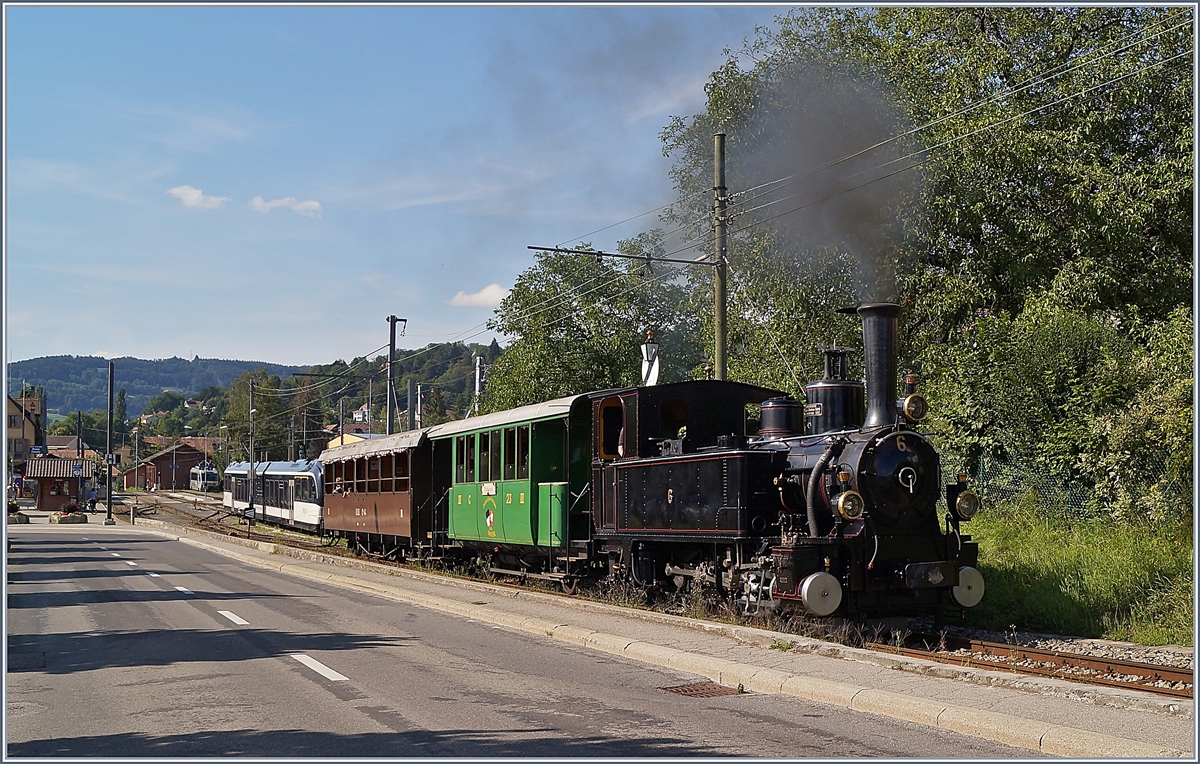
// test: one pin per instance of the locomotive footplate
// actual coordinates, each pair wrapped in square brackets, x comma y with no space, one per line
[930,575]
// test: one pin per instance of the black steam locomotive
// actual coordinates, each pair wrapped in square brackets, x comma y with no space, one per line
[839,517]
[674,485]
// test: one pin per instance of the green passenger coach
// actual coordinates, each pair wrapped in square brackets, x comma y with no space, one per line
[515,485]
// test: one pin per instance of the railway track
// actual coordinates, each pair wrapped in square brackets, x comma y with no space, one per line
[959,651]
[1058,664]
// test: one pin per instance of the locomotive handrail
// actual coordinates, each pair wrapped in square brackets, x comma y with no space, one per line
[581,494]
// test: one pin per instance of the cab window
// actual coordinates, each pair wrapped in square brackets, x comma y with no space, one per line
[673,418]
[612,420]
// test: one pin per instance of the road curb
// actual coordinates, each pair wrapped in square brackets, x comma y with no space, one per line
[1050,739]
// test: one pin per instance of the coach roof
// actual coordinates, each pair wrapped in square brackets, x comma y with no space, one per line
[387,444]
[535,412]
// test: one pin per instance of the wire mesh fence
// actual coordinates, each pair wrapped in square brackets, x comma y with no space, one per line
[1014,480]
[1139,484]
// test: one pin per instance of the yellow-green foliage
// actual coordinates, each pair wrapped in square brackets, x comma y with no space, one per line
[1092,579]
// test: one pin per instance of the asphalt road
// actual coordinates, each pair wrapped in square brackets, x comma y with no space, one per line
[123,644]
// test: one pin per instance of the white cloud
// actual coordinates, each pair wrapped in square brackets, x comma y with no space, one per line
[194,197]
[309,208]
[488,297]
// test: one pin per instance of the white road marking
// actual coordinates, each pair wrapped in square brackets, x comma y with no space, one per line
[236,619]
[114,554]
[104,548]
[320,668]
[153,575]
[185,591]
[134,564]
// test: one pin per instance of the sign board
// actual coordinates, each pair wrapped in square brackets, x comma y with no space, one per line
[113,459]
[37,450]
[76,469]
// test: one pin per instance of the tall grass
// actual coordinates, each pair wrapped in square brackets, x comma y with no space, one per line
[1093,578]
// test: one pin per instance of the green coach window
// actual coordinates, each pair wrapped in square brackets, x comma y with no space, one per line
[470,458]
[485,451]
[494,454]
[510,453]
[460,459]
[523,453]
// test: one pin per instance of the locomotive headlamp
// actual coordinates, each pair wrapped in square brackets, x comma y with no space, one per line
[850,505]
[914,407]
[967,505]
[844,475]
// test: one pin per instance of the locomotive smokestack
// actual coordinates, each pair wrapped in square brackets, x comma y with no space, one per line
[880,329]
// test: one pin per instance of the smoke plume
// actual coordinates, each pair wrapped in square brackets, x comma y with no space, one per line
[836,134]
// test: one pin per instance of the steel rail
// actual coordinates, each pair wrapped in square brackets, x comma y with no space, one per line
[1057,664]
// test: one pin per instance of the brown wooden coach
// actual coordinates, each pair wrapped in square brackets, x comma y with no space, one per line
[377,492]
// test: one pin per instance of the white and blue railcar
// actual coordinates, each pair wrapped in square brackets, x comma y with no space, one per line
[285,493]
[203,477]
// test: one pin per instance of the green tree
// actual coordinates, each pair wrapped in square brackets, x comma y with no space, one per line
[95,427]
[271,416]
[119,414]
[165,402]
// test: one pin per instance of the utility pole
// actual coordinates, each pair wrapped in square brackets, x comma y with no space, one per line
[108,520]
[292,440]
[478,381]
[341,421]
[79,434]
[420,393]
[370,398]
[719,201]
[250,520]
[391,388]
[412,394]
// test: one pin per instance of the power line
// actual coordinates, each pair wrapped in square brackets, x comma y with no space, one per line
[1054,73]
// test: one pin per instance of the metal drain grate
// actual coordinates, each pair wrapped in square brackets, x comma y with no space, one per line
[702,690]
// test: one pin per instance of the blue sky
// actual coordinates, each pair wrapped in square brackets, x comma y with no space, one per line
[269,183]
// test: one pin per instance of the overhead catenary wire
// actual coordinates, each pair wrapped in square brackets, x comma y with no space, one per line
[943,144]
[1054,73]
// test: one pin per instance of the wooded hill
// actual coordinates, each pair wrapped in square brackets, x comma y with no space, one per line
[80,383]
